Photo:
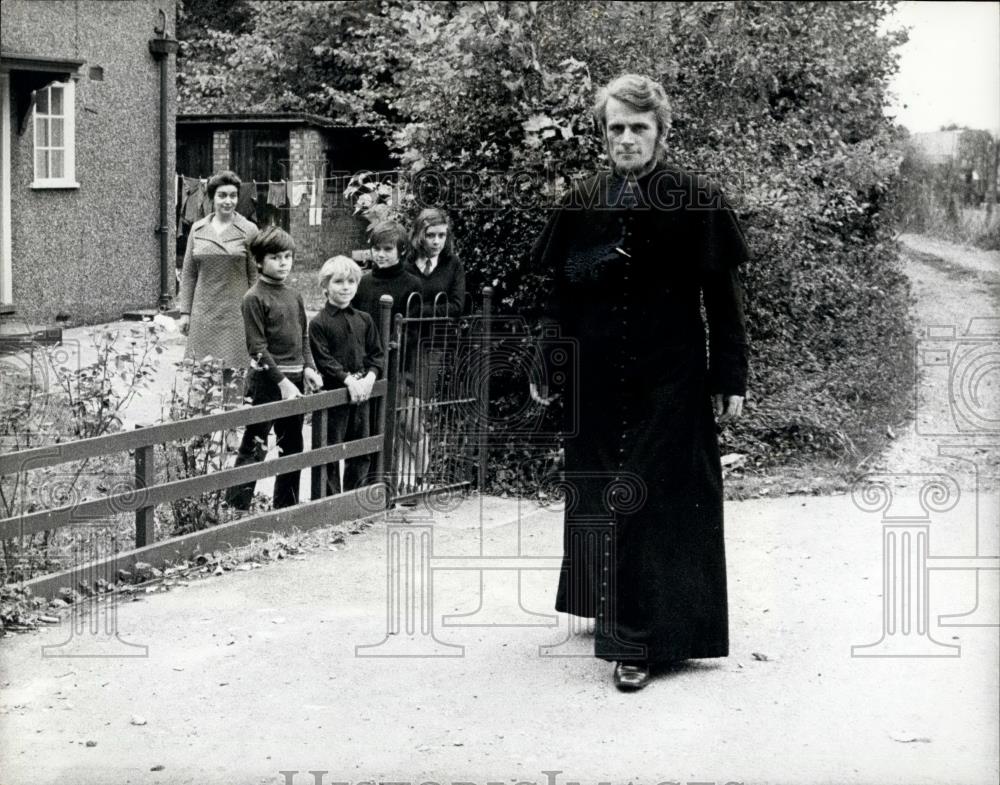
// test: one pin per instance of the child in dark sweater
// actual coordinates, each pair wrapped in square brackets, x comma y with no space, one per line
[282,367]
[349,353]
[387,241]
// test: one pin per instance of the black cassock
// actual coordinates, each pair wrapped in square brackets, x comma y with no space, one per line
[629,262]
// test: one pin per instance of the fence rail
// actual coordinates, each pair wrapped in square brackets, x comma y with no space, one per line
[437,412]
[145,494]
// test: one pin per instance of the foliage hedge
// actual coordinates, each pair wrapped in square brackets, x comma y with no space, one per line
[782,103]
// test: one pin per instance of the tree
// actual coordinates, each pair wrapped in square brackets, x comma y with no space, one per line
[273,56]
[781,102]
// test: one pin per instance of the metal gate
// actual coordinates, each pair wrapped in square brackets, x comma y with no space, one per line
[438,392]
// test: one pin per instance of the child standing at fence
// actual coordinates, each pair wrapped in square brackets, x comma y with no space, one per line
[436,265]
[282,366]
[388,242]
[349,353]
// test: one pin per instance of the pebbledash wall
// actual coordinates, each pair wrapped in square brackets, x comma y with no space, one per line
[90,252]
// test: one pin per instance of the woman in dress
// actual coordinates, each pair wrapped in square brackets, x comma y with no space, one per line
[217,272]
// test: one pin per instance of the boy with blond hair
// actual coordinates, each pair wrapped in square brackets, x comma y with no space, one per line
[348,352]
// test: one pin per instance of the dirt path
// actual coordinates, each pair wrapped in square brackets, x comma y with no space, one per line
[955,288]
[256,673]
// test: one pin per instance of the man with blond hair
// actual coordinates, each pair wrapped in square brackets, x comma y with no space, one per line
[630,255]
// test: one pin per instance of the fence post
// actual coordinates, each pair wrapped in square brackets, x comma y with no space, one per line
[384,325]
[484,387]
[394,369]
[319,474]
[144,478]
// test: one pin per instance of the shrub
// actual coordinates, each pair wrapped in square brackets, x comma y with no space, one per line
[780,102]
[51,394]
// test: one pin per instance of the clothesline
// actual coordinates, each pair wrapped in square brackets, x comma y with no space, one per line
[192,203]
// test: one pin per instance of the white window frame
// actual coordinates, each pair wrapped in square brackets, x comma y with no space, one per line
[68,116]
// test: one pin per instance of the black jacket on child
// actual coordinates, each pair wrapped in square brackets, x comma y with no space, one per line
[448,276]
[345,341]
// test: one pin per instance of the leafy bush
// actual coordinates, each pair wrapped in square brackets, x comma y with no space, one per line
[52,394]
[782,103]
[200,388]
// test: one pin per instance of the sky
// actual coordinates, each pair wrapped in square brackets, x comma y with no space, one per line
[950,67]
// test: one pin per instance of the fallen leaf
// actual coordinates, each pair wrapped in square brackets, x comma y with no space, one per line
[908,738]
[91,743]
[137,720]
[760,657]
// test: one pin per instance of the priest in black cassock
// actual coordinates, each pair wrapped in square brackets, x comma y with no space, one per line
[630,255]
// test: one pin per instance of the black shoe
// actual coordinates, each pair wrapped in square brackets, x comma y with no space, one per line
[631,676]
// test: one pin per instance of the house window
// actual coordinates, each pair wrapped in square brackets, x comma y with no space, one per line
[55,136]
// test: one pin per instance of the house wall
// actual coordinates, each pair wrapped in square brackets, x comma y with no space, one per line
[92,252]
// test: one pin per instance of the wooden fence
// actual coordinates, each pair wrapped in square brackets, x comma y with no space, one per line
[147,493]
